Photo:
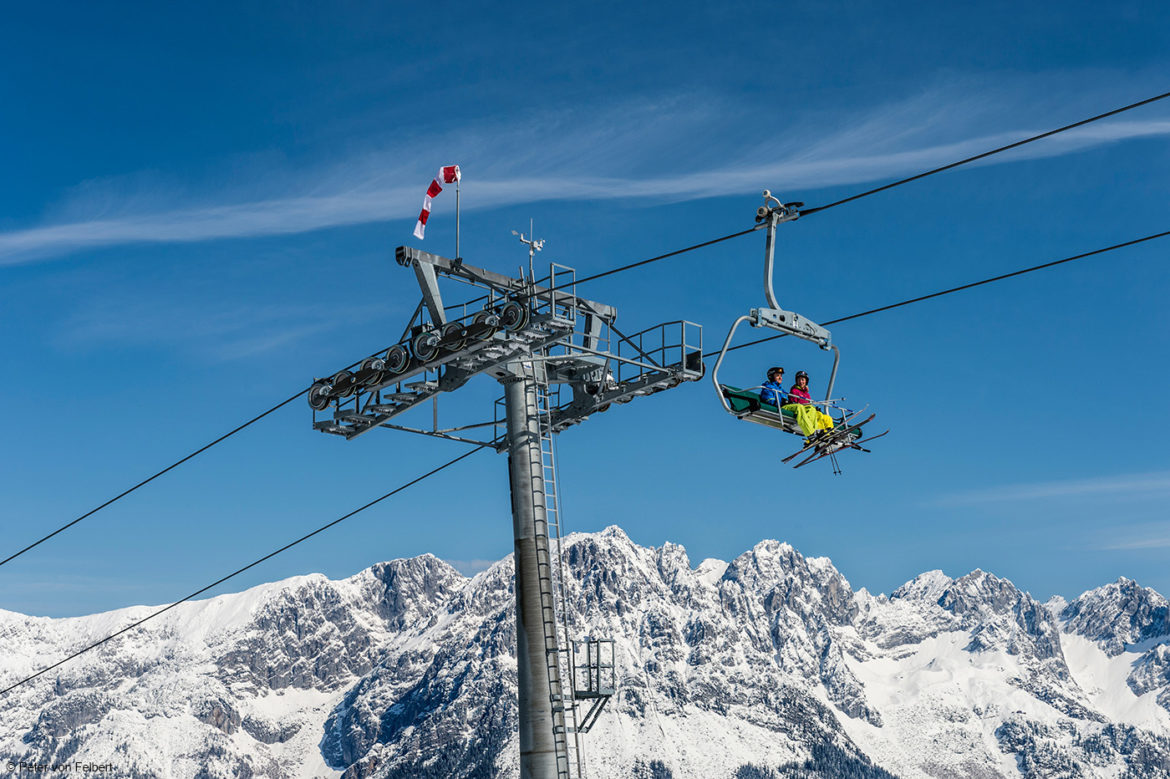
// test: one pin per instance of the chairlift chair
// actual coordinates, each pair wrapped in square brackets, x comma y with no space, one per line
[745,403]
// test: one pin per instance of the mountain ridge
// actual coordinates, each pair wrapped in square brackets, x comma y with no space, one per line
[771,661]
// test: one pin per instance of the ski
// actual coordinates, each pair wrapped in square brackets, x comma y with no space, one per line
[847,431]
[844,424]
[828,451]
[858,444]
[834,442]
[871,438]
[799,452]
[812,458]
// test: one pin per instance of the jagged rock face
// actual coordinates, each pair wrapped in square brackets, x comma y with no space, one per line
[769,665]
[1045,751]
[1151,672]
[1118,615]
[1123,618]
[410,716]
[312,637]
[997,614]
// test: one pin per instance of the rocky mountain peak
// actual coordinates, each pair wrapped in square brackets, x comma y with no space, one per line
[711,570]
[404,590]
[980,592]
[925,587]
[1119,614]
[1001,616]
[786,579]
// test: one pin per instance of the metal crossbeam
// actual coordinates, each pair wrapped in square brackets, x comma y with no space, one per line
[409,256]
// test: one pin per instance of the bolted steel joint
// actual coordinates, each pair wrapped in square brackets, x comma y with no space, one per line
[775,212]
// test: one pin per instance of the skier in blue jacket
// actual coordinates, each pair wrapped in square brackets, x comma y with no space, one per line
[773,391]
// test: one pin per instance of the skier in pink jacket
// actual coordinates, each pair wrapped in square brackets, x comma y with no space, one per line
[810,419]
[799,392]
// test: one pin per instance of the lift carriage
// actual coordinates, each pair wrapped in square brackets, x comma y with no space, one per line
[747,404]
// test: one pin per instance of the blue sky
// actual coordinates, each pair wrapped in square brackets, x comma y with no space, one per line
[199,209]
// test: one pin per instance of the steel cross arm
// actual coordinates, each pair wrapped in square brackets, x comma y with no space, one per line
[439,434]
[513,356]
[576,410]
[585,350]
[466,427]
[408,256]
[443,386]
[355,418]
[455,375]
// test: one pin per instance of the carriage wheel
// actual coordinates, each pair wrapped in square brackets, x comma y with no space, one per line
[513,316]
[343,384]
[426,346]
[487,324]
[454,336]
[397,360]
[319,395]
[374,369]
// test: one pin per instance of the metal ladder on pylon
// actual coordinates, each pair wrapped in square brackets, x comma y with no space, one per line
[557,659]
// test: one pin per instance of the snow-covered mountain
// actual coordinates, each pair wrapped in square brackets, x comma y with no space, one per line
[770,665]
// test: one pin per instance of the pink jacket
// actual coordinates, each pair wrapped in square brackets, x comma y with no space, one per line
[798,395]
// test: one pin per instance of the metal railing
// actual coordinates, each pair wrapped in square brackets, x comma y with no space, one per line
[677,344]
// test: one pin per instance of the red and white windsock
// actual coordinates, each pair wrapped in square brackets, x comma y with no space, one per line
[448,174]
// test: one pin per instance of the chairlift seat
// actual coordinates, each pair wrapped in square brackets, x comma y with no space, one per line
[746,404]
[742,400]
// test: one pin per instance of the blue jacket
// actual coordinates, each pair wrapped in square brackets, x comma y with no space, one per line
[773,393]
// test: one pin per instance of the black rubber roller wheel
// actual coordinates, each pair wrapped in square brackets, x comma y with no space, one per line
[343,384]
[397,360]
[319,395]
[485,325]
[454,336]
[513,316]
[372,371]
[426,346]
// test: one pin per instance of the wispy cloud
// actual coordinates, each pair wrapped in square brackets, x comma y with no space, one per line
[638,155]
[78,583]
[1129,485]
[217,330]
[1136,537]
[1155,542]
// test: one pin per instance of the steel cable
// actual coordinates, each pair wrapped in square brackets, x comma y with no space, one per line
[867,193]
[237,572]
[169,468]
[149,479]
[986,154]
[960,288]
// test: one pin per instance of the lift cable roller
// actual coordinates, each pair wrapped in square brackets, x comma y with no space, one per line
[746,403]
[571,342]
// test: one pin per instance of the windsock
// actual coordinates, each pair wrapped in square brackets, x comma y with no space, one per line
[448,174]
